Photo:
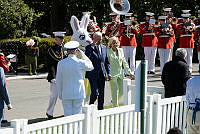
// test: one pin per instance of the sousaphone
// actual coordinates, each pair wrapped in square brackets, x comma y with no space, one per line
[120,6]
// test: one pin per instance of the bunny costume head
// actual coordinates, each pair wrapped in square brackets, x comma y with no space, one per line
[80,32]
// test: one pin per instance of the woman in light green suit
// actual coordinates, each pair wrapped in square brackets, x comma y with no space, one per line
[117,60]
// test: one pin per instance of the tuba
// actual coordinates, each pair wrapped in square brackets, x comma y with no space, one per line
[120,6]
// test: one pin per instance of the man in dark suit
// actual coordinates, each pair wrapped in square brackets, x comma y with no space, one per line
[3,94]
[96,52]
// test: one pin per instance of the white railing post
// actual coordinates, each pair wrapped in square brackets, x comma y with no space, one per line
[23,125]
[130,94]
[87,121]
[15,124]
[126,82]
[149,114]
[94,122]
[157,114]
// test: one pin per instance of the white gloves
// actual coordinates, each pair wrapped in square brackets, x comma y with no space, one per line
[53,81]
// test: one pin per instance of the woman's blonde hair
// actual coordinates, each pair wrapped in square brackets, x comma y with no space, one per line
[110,42]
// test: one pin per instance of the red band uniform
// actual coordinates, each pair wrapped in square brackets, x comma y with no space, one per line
[149,42]
[166,38]
[186,38]
[128,33]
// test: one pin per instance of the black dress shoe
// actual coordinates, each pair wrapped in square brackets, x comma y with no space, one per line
[49,117]
[4,121]
[151,72]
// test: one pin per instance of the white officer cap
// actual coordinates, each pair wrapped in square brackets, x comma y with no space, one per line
[186,11]
[149,14]
[88,13]
[59,34]
[167,9]
[186,15]
[128,14]
[162,17]
[114,14]
[71,45]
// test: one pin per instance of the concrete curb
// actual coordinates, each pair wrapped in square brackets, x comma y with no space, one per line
[25,76]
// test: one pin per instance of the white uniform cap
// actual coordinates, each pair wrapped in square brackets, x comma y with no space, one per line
[84,13]
[113,14]
[71,45]
[167,9]
[59,34]
[128,14]
[149,14]
[162,17]
[186,11]
[186,15]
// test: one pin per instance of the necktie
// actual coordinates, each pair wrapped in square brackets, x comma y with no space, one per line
[97,51]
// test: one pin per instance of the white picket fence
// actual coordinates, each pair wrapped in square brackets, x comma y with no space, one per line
[161,115]
[119,120]
[167,113]
[129,91]
[6,131]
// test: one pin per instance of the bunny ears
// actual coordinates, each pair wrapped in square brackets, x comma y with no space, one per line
[75,23]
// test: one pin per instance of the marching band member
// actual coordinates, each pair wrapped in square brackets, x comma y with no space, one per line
[165,41]
[186,37]
[167,12]
[197,35]
[128,33]
[55,54]
[113,28]
[92,26]
[149,41]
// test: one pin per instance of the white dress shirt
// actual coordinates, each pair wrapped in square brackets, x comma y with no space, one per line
[193,90]
[70,78]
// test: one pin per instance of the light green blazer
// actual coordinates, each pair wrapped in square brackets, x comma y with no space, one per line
[116,63]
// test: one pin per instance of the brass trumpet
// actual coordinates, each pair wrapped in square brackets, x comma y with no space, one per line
[174,20]
[131,27]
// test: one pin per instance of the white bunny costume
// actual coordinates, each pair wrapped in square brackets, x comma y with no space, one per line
[80,32]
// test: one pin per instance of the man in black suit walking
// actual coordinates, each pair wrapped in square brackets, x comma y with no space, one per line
[96,52]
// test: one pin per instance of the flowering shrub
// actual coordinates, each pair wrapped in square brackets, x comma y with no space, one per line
[30,42]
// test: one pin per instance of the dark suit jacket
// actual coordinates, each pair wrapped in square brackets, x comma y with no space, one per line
[3,90]
[100,63]
[174,77]
[54,55]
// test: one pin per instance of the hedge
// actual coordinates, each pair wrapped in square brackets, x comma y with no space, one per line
[18,46]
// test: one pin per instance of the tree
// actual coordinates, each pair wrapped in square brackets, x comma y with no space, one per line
[16,19]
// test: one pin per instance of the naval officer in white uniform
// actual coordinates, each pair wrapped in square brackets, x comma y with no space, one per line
[70,79]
